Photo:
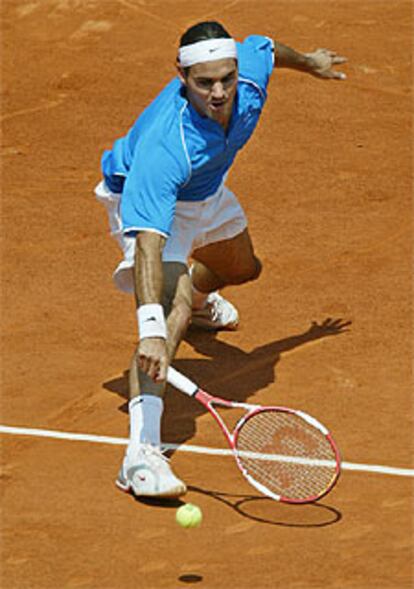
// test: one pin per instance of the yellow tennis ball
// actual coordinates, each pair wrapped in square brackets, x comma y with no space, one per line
[189,516]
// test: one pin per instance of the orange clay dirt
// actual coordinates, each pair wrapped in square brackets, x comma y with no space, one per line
[326,184]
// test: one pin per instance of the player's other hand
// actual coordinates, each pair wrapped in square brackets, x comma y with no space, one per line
[321,62]
[153,358]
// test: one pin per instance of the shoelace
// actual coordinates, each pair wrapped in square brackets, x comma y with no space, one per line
[217,309]
[154,452]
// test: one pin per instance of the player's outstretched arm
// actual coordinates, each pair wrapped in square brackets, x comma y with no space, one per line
[318,63]
[152,349]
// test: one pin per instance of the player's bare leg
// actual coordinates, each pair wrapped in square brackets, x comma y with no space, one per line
[145,470]
[226,262]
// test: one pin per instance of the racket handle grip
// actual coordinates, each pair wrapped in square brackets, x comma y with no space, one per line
[181,382]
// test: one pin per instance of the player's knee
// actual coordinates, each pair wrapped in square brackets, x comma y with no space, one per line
[246,274]
[257,269]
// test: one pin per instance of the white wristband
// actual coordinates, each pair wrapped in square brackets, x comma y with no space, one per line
[151,321]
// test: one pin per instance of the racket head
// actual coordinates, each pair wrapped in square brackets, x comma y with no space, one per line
[286,454]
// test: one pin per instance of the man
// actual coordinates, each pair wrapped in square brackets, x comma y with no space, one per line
[166,198]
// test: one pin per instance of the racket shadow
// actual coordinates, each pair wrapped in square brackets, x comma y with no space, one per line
[266,511]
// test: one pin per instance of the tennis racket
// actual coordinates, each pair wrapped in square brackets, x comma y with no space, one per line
[284,453]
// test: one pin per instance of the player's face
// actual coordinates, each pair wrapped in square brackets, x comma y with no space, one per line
[212,87]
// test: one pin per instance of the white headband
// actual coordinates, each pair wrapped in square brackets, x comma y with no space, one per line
[209,50]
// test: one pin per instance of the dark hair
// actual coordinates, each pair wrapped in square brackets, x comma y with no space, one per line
[203,31]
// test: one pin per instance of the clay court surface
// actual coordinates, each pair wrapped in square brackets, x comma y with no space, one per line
[326,183]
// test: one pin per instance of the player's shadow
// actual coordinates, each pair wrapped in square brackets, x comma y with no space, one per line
[226,371]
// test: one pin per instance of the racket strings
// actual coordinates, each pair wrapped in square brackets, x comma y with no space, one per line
[285,454]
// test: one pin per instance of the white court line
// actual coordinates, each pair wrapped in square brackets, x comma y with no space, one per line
[57,435]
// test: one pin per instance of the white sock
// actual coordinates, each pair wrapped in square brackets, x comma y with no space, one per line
[145,412]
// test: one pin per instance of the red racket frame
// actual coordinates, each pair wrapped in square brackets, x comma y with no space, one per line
[191,389]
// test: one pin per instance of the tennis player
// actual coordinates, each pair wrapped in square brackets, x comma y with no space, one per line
[165,192]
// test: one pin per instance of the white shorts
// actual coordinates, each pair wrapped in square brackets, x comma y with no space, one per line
[195,225]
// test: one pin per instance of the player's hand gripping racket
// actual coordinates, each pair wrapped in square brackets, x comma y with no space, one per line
[284,453]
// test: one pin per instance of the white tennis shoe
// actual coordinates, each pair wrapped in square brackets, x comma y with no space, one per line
[148,474]
[218,313]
